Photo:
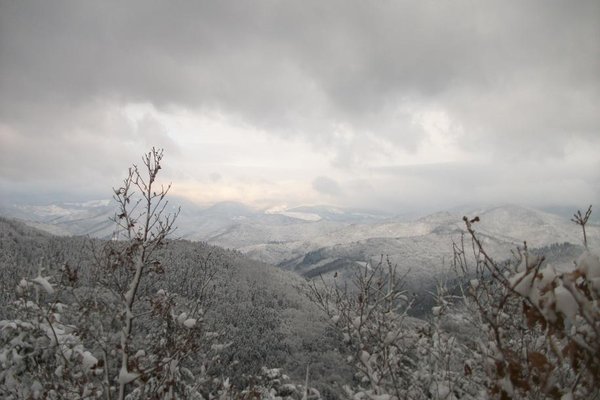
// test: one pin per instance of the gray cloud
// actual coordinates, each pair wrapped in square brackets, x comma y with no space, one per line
[438,186]
[276,63]
[521,79]
[327,186]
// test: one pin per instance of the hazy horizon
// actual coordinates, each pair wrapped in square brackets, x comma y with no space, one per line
[392,106]
[190,208]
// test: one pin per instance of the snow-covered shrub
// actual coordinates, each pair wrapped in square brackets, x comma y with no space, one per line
[541,327]
[42,356]
[273,384]
[393,355]
[117,334]
[444,363]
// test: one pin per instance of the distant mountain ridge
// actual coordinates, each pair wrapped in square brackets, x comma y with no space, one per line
[198,223]
[312,240]
[65,219]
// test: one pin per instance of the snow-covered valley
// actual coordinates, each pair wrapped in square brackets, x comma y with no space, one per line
[327,240]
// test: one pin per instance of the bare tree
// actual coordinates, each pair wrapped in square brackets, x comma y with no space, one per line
[146,225]
[126,331]
[582,219]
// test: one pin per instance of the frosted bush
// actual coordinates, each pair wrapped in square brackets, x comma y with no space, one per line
[549,346]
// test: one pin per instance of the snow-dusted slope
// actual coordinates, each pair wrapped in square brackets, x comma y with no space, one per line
[327,239]
[89,218]
[424,246]
[515,224]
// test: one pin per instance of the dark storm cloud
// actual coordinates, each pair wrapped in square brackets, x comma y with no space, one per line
[280,63]
[519,78]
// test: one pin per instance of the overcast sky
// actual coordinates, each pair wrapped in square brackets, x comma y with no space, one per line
[375,104]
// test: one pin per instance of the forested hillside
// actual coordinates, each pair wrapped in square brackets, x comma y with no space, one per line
[258,310]
[142,316]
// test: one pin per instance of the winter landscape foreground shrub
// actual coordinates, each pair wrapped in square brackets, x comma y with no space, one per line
[529,331]
[118,333]
[541,326]
[533,332]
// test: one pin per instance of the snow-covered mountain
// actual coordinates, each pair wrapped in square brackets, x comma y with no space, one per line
[230,224]
[324,240]
[65,219]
